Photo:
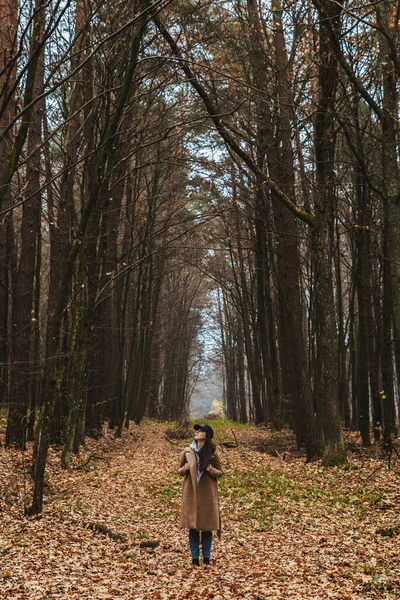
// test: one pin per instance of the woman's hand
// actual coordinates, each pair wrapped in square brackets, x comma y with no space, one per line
[186,466]
[210,469]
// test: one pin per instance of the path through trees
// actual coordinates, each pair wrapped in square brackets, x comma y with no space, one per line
[290,530]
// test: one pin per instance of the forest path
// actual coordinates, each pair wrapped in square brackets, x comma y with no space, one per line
[290,530]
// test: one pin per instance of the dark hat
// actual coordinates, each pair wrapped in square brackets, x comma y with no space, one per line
[206,428]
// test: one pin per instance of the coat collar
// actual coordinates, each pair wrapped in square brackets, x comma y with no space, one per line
[191,458]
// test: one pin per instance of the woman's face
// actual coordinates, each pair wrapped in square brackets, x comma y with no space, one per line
[199,435]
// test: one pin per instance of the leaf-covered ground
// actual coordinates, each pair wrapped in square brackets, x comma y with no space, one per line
[290,529]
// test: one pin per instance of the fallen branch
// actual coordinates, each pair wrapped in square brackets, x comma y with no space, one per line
[100,528]
[389,532]
[285,454]
[373,473]
[149,544]
[230,443]
[85,463]
[172,442]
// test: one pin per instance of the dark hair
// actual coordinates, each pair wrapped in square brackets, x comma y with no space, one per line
[206,453]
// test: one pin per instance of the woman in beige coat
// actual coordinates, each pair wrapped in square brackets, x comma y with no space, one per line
[201,466]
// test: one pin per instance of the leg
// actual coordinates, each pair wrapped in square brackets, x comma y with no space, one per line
[206,540]
[194,542]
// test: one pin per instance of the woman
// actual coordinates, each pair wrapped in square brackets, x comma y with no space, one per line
[201,466]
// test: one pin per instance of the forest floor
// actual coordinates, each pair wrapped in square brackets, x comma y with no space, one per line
[291,530]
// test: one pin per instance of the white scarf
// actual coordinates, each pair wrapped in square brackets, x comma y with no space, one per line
[193,446]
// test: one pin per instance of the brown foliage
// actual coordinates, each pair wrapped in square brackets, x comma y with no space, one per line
[290,530]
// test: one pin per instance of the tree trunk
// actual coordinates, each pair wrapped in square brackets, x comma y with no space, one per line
[241,374]
[391,225]
[326,388]
[362,297]
[21,384]
[8,20]
[343,383]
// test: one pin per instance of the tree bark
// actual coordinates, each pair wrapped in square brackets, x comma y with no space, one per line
[23,319]
[326,387]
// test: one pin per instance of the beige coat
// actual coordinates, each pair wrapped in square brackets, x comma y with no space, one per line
[200,508]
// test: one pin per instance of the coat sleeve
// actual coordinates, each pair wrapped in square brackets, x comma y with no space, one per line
[217,472]
[181,469]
